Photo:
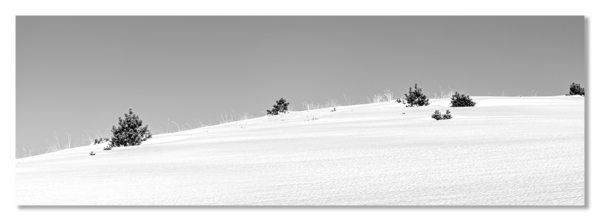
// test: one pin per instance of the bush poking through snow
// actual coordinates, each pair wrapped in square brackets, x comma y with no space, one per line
[461,100]
[416,97]
[447,116]
[130,131]
[400,100]
[101,140]
[576,89]
[280,107]
[437,116]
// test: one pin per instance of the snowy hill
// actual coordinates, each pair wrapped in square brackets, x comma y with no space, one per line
[504,151]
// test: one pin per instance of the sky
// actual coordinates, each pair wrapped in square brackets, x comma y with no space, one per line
[77,74]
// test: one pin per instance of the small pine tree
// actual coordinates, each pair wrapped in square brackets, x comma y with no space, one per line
[447,116]
[436,115]
[576,89]
[461,100]
[280,107]
[130,131]
[416,97]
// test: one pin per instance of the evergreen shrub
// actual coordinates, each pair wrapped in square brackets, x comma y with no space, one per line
[129,132]
[280,107]
[416,97]
[461,100]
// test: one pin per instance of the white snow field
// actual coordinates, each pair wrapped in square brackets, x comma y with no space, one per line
[504,151]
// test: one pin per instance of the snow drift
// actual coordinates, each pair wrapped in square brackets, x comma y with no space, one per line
[504,151]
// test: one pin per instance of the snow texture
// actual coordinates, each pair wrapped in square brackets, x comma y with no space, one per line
[504,151]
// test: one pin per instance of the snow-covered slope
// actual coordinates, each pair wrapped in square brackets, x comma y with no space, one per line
[504,151]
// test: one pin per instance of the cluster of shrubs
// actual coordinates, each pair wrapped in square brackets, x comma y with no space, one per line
[281,106]
[129,132]
[576,89]
[417,98]
[101,140]
[437,116]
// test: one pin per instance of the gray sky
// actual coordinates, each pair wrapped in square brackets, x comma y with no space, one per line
[79,74]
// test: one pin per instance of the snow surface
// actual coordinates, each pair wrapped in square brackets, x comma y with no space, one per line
[504,151]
